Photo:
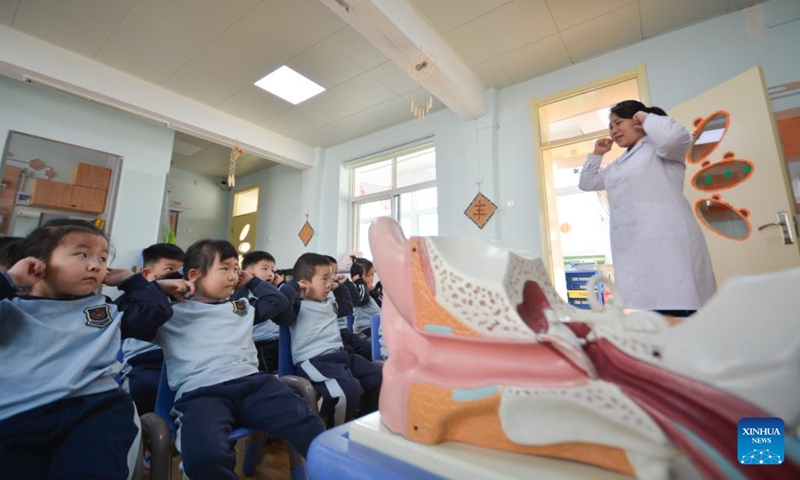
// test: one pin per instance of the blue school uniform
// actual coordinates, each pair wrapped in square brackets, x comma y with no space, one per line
[212,366]
[319,355]
[61,410]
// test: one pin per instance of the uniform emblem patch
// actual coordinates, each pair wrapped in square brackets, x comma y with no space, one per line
[98,316]
[240,306]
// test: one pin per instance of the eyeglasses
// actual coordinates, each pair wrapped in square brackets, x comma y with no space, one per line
[720,217]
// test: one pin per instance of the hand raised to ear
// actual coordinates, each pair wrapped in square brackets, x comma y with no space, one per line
[27,272]
[602,146]
[638,120]
[244,277]
[178,289]
[115,276]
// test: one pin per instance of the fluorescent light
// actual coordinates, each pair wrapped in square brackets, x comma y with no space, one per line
[289,85]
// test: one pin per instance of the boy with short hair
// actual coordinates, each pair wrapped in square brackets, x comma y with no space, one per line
[352,342]
[142,361]
[261,265]
[317,349]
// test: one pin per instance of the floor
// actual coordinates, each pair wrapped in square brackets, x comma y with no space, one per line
[274,464]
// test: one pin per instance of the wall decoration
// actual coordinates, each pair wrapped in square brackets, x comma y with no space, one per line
[720,217]
[236,152]
[480,210]
[306,232]
[723,219]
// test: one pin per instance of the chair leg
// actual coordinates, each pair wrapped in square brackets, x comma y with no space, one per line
[297,464]
[252,451]
[157,434]
[139,466]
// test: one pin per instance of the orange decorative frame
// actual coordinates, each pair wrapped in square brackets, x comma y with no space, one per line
[699,125]
[728,157]
[742,212]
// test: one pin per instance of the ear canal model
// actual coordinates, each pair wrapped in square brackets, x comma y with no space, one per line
[482,350]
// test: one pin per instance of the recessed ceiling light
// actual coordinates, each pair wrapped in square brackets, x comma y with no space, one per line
[289,85]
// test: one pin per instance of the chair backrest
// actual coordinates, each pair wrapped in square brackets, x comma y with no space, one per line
[350,321]
[285,365]
[164,400]
[375,326]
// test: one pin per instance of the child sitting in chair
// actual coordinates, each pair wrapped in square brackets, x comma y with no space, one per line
[317,349]
[142,361]
[212,365]
[365,303]
[62,413]
[261,265]
[353,343]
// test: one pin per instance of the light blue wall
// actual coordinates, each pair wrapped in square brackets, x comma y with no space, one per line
[146,149]
[205,208]
[679,65]
[285,194]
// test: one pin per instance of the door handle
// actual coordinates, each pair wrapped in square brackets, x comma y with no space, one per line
[783,223]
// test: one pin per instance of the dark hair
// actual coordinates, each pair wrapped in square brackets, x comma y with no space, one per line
[628,109]
[256,256]
[360,266]
[11,250]
[158,251]
[306,266]
[201,255]
[331,259]
[41,242]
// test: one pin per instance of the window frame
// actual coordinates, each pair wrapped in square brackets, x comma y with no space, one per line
[392,194]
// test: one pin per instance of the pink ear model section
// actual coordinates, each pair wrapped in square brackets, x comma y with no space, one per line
[391,256]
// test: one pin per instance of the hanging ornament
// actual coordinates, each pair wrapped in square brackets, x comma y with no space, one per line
[480,209]
[306,232]
[420,69]
[236,152]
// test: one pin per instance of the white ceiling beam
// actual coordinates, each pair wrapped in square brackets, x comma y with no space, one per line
[398,30]
[33,60]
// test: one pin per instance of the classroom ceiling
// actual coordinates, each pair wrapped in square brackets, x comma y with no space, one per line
[213,51]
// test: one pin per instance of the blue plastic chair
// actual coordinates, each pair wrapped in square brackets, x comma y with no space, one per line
[159,428]
[285,365]
[375,326]
[350,321]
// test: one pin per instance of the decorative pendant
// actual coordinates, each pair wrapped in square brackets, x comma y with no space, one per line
[480,210]
[306,233]
[236,152]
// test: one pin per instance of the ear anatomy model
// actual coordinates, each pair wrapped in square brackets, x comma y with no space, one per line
[482,350]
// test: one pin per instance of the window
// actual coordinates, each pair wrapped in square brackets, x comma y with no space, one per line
[244,221]
[568,126]
[400,184]
[245,202]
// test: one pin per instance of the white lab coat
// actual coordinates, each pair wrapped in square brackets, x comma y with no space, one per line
[660,257]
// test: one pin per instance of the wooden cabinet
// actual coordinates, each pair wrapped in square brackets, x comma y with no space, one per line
[87,193]
[8,195]
[91,176]
[87,199]
[47,193]
[8,186]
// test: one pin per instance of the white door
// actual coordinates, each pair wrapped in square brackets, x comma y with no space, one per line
[736,180]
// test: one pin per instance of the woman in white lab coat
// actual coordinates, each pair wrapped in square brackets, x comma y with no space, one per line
[660,257]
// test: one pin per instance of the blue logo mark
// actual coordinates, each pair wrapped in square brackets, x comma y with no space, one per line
[760,441]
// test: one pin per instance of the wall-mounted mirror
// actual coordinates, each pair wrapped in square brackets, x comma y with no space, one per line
[708,134]
[43,179]
[722,175]
[723,219]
